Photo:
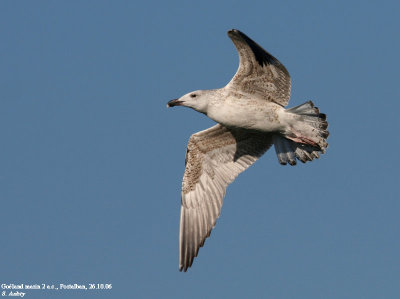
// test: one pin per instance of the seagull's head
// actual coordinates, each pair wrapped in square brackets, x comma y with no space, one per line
[197,100]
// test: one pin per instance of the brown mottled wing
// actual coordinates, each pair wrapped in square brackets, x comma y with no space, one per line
[259,74]
[214,158]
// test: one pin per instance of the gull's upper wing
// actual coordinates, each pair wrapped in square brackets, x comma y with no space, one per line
[259,74]
[214,158]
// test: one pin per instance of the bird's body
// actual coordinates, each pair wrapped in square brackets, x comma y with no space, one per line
[250,117]
[242,111]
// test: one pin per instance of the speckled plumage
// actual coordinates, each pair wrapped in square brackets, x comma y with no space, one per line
[251,117]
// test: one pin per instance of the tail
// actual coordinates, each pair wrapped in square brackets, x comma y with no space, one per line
[307,137]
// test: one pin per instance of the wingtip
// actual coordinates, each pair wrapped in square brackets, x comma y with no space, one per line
[233,32]
[182,269]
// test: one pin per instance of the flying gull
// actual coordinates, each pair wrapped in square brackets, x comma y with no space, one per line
[251,117]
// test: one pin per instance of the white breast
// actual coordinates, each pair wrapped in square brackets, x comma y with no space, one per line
[247,113]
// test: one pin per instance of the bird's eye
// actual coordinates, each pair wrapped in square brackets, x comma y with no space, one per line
[193,95]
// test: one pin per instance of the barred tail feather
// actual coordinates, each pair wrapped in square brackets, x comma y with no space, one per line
[307,139]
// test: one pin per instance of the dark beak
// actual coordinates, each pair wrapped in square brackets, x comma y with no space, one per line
[174,102]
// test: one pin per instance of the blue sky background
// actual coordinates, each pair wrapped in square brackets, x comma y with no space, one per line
[92,160]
